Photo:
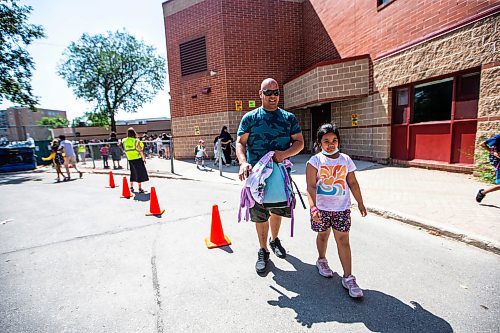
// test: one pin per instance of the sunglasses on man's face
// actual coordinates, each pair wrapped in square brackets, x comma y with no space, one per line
[269,92]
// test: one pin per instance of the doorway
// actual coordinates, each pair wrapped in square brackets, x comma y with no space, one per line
[319,115]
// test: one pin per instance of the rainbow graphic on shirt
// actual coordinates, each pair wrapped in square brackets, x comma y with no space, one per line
[332,180]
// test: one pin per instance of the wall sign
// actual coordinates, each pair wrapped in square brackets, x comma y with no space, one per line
[238,105]
[196,129]
[251,104]
[354,119]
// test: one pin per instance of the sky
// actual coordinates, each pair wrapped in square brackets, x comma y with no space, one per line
[66,21]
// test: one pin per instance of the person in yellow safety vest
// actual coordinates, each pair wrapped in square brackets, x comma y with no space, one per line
[82,151]
[134,151]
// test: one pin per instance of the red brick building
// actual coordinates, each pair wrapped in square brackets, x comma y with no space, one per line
[404,80]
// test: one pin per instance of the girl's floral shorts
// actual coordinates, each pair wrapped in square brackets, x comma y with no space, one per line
[340,221]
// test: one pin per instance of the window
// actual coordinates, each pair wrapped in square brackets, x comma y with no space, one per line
[467,96]
[193,56]
[400,106]
[432,101]
[383,2]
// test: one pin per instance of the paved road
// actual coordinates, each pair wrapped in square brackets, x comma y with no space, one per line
[75,257]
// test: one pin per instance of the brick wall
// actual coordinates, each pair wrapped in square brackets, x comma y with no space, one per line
[357,27]
[465,48]
[468,47]
[318,45]
[371,138]
[200,19]
[247,41]
[335,81]
[489,103]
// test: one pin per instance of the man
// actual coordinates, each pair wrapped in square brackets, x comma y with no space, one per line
[267,128]
[69,155]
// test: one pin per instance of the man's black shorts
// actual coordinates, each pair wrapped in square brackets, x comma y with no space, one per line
[259,213]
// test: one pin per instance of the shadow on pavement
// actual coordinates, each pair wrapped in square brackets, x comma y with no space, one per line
[227,248]
[141,196]
[14,179]
[321,300]
[488,205]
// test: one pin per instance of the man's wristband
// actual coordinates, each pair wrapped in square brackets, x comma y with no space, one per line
[314,210]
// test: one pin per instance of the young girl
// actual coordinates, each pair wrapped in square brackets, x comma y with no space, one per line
[57,159]
[330,177]
[104,154]
[200,154]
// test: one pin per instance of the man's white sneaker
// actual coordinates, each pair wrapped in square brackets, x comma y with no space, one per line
[350,284]
[323,268]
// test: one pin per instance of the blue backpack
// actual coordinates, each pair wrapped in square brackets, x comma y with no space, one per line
[278,188]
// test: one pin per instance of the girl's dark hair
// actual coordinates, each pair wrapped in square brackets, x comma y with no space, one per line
[325,129]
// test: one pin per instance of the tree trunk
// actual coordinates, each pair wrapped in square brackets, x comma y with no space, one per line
[113,122]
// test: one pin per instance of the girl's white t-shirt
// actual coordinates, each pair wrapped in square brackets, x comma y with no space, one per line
[332,190]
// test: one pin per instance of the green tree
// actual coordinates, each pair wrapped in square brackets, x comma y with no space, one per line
[53,122]
[115,71]
[100,119]
[15,62]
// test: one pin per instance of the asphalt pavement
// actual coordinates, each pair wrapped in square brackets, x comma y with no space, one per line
[75,257]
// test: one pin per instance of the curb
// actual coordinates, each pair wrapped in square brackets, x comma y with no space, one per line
[438,231]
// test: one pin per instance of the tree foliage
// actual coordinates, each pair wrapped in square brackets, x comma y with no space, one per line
[100,119]
[15,62]
[114,71]
[53,122]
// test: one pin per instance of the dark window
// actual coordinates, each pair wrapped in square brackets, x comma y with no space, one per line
[467,96]
[382,2]
[193,56]
[400,106]
[432,101]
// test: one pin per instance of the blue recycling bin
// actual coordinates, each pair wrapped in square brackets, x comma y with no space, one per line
[14,158]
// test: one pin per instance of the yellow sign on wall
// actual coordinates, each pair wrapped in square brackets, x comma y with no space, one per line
[196,129]
[354,119]
[238,105]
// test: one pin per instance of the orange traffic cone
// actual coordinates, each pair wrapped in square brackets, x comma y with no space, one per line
[217,237]
[126,191]
[111,180]
[154,207]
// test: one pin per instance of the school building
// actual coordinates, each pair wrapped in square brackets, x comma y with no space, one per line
[410,82]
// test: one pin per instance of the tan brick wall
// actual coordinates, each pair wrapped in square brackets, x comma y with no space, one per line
[489,104]
[365,142]
[464,48]
[489,93]
[184,132]
[328,82]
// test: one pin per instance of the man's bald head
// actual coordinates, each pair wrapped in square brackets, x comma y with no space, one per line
[269,83]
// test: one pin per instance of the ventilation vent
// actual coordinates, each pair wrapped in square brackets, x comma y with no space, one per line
[193,56]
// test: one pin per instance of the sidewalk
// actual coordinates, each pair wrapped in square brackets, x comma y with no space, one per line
[441,202]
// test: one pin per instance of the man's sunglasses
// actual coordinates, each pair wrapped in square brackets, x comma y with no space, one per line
[269,92]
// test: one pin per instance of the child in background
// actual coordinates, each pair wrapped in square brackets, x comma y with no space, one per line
[492,145]
[330,179]
[57,159]
[200,154]
[104,154]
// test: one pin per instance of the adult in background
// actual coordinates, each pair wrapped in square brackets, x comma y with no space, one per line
[135,156]
[82,151]
[69,155]
[226,140]
[115,151]
[267,128]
